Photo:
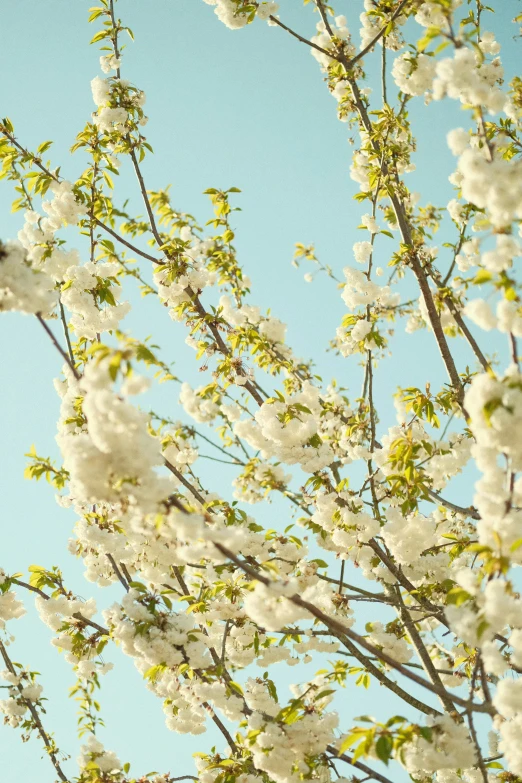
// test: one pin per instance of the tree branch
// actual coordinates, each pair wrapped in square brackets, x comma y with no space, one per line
[59,348]
[339,627]
[49,744]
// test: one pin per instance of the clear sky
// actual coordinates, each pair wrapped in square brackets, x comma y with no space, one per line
[247,108]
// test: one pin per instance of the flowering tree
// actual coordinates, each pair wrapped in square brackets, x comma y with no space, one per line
[209,599]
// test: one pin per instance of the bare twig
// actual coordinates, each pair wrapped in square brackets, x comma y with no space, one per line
[67,359]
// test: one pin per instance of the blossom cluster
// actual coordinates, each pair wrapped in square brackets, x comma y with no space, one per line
[205,598]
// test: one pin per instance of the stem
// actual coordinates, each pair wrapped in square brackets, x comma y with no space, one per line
[118,572]
[427,663]
[400,212]
[359,765]
[383,72]
[66,332]
[283,26]
[199,497]
[128,244]
[77,615]
[338,627]
[382,32]
[223,348]
[59,348]
[472,729]
[384,680]
[49,745]
[469,512]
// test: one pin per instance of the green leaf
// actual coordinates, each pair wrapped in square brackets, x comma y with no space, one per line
[384,747]
[482,626]
[320,563]
[482,276]
[100,36]
[108,179]
[347,743]
[43,148]
[138,586]
[426,732]
[324,694]
[271,688]
[154,672]
[95,13]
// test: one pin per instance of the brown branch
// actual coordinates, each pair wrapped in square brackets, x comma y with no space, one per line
[333,54]
[59,348]
[359,765]
[49,744]
[77,615]
[279,23]
[118,573]
[34,158]
[132,247]
[223,348]
[469,512]
[404,227]
[199,497]
[467,334]
[424,657]
[384,680]
[339,627]
[382,32]
[223,729]
[66,331]
[480,761]
[183,777]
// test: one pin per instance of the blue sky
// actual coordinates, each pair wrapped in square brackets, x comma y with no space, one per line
[246,108]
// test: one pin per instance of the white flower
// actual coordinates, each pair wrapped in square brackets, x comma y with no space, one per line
[455,209]
[22,287]
[508,698]
[109,63]
[266,9]
[362,251]
[273,329]
[135,384]
[414,76]
[370,223]
[458,140]
[481,314]
[101,91]
[361,329]
[110,119]
[10,608]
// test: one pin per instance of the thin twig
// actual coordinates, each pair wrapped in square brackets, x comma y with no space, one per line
[469,512]
[118,573]
[358,764]
[66,332]
[49,744]
[59,348]
[132,247]
[199,497]
[279,23]
[339,627]
[77,615]
[382,32]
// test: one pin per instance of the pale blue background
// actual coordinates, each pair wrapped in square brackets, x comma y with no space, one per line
[246,108]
